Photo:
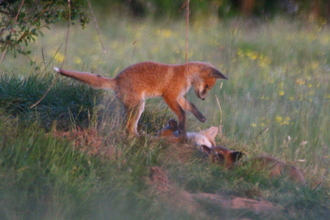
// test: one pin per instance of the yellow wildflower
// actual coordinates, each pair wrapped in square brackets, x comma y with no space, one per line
[252,55]
[59,57]
[281,93]
[278,119]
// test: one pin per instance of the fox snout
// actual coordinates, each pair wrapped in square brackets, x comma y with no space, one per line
[201,90]
[201,94]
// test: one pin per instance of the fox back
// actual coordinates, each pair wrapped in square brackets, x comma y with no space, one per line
[277,168]
[150,79]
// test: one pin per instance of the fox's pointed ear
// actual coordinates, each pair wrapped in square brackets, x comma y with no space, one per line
[173,123]
[236,155]
[211,71]
[212,132]
[217,74]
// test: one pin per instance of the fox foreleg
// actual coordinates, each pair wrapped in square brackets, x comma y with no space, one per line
[177,109]
[182,126]
[188,106]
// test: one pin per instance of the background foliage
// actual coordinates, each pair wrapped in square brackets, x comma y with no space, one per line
[23,20]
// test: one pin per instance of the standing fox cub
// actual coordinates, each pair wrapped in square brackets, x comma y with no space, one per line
[150,79]
[273,166]
[203,138]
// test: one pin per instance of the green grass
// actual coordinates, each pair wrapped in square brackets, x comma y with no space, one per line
[43,177]
[276,101]
[66,103]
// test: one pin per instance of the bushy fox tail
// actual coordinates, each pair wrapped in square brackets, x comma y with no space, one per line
[96,81]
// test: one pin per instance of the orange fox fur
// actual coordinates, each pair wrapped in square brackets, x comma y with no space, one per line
[198,139]
[275,167]
[150,79]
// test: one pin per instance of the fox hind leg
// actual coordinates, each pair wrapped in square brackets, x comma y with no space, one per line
[133,114]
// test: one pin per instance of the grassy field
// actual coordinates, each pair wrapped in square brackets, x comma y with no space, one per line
[67,158]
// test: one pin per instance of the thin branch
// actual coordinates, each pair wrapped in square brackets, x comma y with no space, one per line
[51,86]
[260,133]
[67,34]
[65,53]
[187,34]
[53,57]
[187,29]
[11,30]
[96,25]
[218,102]
[44,95]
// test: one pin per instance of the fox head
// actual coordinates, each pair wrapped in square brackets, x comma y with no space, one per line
[222,155]
[202,138]
[205,79]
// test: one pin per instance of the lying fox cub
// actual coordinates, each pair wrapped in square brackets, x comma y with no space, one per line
[275,167]
[198,139]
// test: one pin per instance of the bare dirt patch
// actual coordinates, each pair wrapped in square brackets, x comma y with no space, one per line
[168,192]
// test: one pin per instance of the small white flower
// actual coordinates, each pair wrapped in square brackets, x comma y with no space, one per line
[303,143]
